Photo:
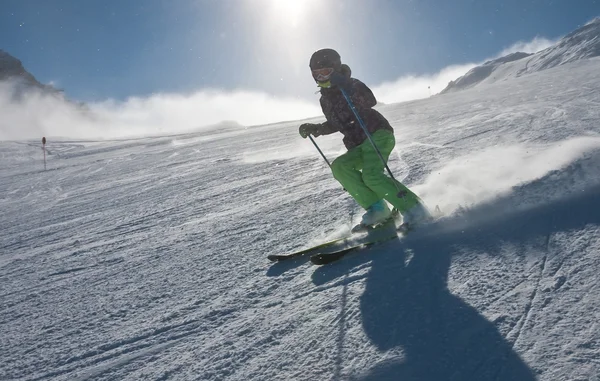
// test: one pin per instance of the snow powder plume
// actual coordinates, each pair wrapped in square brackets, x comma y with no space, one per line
[484,175]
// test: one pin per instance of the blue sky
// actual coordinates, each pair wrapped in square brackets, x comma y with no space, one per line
[99,49]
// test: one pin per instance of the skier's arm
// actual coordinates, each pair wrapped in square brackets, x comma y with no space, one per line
[316,129]
[361,95]
[325,128]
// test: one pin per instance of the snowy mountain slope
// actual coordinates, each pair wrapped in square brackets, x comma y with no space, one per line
[580,44]
[12,69]
[483,72]
[146,259]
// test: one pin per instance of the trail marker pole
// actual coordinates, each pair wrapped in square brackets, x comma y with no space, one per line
[44,149]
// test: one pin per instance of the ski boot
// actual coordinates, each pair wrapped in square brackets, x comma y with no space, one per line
[414,216]
[377,214]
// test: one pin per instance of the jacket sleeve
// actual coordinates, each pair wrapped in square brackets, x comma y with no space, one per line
[362,96]
[325,128]
[331,125]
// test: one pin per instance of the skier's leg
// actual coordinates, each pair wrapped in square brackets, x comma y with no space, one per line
[346,170]
[374,177]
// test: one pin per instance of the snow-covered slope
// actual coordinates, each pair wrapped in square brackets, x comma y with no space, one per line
[581,44]
[146,259]
[11,67]
[480,73]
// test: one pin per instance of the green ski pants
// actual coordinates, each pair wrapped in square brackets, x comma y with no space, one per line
[361,173]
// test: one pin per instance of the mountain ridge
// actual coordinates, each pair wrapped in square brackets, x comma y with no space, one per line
[582,43]
[12,69]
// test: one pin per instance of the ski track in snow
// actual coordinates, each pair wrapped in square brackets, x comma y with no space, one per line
[146,258]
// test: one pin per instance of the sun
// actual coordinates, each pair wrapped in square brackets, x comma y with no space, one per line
[291,12]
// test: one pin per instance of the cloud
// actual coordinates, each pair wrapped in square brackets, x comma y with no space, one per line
[417,87]
[413,87]
[37,114]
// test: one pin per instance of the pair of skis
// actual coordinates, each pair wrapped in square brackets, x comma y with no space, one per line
[323,254]
[320,254]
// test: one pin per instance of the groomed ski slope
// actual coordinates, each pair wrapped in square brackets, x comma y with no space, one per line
[145,259]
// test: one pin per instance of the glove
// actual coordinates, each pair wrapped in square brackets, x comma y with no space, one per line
[341,81]
[308,129]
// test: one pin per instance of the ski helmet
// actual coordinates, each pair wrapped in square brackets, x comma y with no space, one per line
[324,58]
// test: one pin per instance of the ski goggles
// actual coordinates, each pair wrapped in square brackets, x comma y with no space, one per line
[322,75]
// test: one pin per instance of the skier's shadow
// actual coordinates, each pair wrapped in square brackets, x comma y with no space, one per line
[442,337]
[407,305]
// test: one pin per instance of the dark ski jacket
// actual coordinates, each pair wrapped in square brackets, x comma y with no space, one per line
[340,117]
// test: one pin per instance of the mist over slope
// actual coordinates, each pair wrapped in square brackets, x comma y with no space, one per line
[31,110]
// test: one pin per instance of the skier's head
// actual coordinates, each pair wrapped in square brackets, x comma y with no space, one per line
[323,63]
[325,58]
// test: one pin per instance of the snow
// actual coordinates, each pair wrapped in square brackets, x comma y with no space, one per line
[146,258]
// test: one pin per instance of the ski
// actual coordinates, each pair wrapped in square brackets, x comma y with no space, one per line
[326,258]
[282,257]
[374,235]
[354,240]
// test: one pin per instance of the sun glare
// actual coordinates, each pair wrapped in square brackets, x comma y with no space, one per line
[291,12]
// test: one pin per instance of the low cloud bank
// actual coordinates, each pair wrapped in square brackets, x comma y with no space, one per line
[37,114]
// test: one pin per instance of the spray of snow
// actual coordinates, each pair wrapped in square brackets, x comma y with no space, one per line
[536,45]
[482,176]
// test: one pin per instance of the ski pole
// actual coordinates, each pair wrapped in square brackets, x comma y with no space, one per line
[327,161]
[362,125]
[318,149]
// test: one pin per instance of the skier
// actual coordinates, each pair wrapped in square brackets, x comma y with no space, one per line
[360,170]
